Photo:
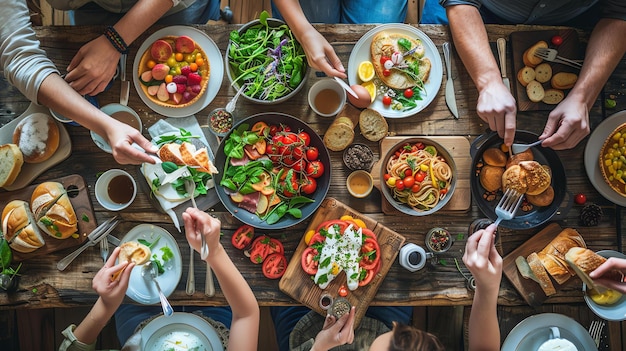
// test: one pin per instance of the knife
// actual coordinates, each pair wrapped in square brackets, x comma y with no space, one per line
[450,98]
[92,239]
[125,85]
[501,43]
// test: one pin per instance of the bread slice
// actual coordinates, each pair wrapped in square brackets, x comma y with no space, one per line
[170,152]
[529,57]
[11,161]
[535,91]
[525,75]
[553,96]
[563,80]
[373,125]
[338,137]
[555,267]
[543,72]
[585,261]
[540,272]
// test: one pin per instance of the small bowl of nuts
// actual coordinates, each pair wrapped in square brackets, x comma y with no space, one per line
[358,156]
[438,240]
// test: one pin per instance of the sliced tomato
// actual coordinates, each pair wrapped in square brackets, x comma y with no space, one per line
[370,253]
[325,225]
[368,233]
[317,238]
[263,246]
[274,266]
[369,275]
[308,262]
[243,236]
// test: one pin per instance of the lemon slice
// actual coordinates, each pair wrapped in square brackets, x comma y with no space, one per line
[371,88]
[366,71]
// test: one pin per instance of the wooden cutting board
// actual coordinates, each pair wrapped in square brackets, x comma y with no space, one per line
[299,285]
[520,41]
[458,147]
[528,289]
[81,202]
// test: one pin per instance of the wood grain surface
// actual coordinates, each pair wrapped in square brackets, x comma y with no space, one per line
[458,147]
[522,40]
[299,285]
[79,197]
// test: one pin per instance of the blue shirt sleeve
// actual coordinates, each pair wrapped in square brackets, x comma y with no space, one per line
[446,3]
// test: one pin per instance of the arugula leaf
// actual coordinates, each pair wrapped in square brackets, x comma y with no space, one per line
[404,44]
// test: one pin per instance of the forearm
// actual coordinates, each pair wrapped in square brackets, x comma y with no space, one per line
[294,16]
[88,330]
[604,52]
[140,17]
[484,329]
[472,44]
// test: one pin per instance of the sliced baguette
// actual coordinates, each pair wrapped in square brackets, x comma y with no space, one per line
[555,267]
[11,161]
[338,136]
[585,261]
[543,72]
[535,91]
[540,272]
[525,75]
[553,96]
[563,80]
[373,125]
[529,57]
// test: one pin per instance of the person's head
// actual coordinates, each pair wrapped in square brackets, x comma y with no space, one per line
[406,338]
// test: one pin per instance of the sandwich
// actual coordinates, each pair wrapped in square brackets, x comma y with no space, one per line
[133,251]
[20,228]
[399,60]
[53,210]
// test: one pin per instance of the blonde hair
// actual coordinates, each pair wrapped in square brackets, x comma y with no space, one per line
[408,338]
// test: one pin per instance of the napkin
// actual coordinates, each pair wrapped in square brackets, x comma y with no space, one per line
[168,126]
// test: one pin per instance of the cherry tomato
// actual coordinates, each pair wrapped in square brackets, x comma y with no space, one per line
[242,236]
[343,291]
[274,266]
[312,153]
[409,181]
[315,169]
[290,192]
[443,191]
[308,262]
[297,152]
[274,129]
[408,172]
[384,59]
[309,186]
[386,100]
[299,166]
[415,188]
[386,72]
[420,146]
[306,139]
[290,139]
[400,184]
[580,199]
[557,40]
[408,93]
[419,176]
[386,176]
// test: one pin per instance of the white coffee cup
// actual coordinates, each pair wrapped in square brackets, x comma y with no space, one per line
[413,257]
[556,343]
[115,189]
[327,97]
[111,110]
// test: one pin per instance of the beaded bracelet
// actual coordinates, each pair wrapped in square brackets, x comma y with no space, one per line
[116,40]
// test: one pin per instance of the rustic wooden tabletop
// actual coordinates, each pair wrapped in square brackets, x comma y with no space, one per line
[439,284]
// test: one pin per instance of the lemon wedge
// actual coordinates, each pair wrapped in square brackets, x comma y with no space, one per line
[371,88]
[366,71]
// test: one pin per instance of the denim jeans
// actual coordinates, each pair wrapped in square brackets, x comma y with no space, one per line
[351,11]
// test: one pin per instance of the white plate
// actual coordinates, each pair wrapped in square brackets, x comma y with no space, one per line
[214,57]
[592,152]
[142,290]
[30,171]
[535,330]
[361,52]
[187,328]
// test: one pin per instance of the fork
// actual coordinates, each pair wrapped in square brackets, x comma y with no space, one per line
[104,248]
[595,331]
[553,56]
[508,205]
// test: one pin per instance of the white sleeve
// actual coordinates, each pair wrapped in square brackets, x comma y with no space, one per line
[175,2]
[23,63]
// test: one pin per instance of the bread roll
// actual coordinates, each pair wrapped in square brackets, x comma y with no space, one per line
[525,75]
[535,91]
[514,179]
[543,199]
[537,179]
[563,242]
[491,177]
[540,272]
[37,136]
[563,80]
[133,251]
[19,228]
[553,96]
[373,125]
[543,72]
[494,157]
[585,261]
[53,210]
[11,161]
[522,156]
[529,57]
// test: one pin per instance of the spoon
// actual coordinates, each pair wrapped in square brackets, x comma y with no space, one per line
[517,148]
[150,271]
[230,107]
[346,86]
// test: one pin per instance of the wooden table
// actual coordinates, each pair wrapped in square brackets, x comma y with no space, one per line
[42,285]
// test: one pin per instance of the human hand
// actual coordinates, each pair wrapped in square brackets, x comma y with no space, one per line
[93,67]
[483,260]
[199,223]
[496,106]
[567,124]
[110,288]
[121,137]
[335,332]
[320,54]
[611,264]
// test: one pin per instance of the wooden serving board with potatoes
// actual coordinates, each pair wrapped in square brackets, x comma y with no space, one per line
[299,285]
[520,42]
[78,193]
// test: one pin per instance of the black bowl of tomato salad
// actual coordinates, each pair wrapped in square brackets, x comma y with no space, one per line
[274,171]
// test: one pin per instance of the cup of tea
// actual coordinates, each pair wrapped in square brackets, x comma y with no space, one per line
[121,113]
[413,257]
[327,97]
[360,183]
[115,189]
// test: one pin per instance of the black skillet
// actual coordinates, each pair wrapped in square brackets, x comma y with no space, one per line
[545,156]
